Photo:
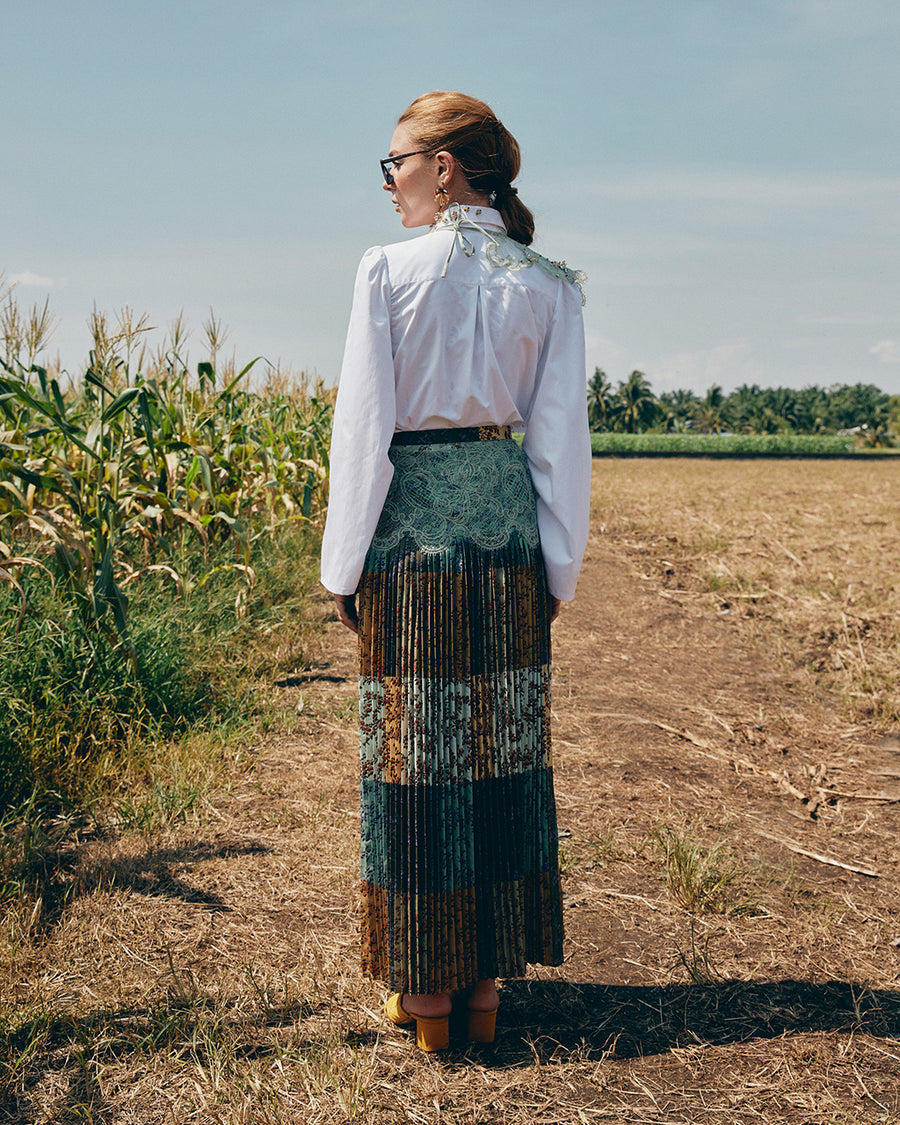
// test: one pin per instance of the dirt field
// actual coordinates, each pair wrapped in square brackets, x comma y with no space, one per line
[727,749]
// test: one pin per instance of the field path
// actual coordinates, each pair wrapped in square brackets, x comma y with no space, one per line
[671,723]
[668,716]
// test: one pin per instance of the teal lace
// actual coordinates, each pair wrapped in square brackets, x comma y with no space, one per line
[440,494]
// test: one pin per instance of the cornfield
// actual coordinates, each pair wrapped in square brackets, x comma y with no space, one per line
[139,472]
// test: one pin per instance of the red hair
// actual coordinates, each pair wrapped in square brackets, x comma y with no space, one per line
[486,152]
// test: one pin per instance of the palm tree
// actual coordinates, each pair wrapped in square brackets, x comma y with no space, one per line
[744,407]
[784,403]
[636,403]
[711,411]
[854,405]
[680,407]
[600,400]
[812,406]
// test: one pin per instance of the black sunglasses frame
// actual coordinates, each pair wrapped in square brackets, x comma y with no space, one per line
[388,172]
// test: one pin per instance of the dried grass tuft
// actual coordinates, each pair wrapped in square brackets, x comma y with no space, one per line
[704,879]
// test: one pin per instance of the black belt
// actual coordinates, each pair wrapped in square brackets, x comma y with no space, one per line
[452,436]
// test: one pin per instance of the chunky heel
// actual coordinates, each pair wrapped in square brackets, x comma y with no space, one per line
[432,1033]
[482,1026]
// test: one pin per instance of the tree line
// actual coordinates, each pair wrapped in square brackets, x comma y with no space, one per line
[632,407]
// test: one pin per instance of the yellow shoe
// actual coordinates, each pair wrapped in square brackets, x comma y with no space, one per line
[482,1026]
[432,1032]
[395,1011]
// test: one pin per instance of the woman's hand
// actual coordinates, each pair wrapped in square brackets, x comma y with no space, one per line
[346,611]
[555,607]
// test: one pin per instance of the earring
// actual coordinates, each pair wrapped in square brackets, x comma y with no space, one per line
[441,199]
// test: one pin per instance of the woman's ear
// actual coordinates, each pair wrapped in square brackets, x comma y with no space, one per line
[446,165]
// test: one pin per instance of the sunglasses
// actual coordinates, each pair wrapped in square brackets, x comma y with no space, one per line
[389,164]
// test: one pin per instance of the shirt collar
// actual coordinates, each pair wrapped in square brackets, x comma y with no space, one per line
[483,216]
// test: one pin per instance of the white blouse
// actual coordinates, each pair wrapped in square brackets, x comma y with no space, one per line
[461,327]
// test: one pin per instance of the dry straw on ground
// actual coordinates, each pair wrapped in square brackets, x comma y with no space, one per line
[727,761]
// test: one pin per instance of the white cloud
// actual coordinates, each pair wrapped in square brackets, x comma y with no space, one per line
[886,351]
[27,279]
[725,364]
[605,353]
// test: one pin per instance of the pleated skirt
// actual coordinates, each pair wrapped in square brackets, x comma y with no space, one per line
[460,876]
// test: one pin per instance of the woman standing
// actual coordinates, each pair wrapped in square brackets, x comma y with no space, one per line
[459,546]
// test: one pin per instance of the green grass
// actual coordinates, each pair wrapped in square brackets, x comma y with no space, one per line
[701,878]
[90,736]
[724,445]
[159,529]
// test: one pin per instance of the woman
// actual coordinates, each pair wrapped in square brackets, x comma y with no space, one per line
[460,547]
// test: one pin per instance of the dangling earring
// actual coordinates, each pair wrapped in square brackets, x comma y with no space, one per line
[441,199]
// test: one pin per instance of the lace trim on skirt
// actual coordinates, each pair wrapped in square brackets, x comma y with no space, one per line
[441,493]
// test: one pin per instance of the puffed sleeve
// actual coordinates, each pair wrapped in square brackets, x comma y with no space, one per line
[364,419]
[558,446]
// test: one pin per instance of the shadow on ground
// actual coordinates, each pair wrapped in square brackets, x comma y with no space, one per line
[154,871]
[59,1045]
[627,1021]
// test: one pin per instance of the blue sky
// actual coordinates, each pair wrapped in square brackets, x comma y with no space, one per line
[726,171]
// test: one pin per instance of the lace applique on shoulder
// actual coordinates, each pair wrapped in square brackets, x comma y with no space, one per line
[501,250]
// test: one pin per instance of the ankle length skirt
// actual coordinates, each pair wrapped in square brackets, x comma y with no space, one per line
[460,877]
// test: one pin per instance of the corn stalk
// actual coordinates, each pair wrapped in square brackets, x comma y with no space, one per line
[111,479]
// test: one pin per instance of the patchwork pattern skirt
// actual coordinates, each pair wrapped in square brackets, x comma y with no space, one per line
[460,877]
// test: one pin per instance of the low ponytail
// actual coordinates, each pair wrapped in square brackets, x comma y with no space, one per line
[518,220]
